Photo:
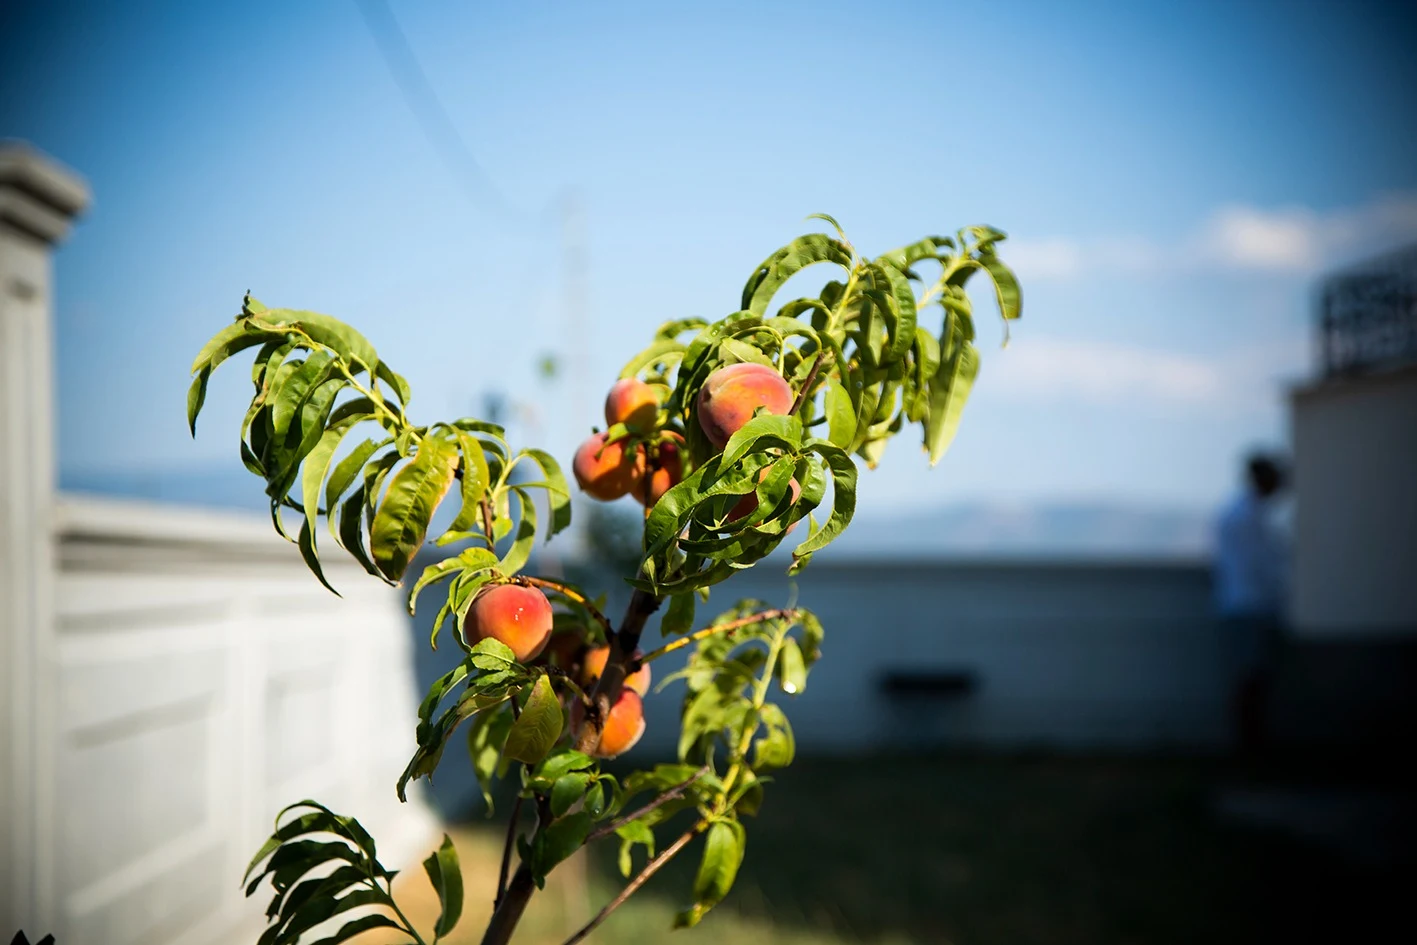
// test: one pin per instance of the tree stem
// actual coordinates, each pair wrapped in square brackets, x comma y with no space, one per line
[507,853]
[509,913]
[669,795]
[650,869]
[622,646]
[729,627]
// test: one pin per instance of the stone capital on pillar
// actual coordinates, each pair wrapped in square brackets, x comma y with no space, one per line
[38,201]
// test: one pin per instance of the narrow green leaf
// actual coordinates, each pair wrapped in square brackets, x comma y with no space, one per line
[355,927]
[520,551]
[446,876]
[843,472]
[949,389]
[792,670]
[485,739]
[538,726]
[401,523]
[475,480]
[787,262]
[678,617]
[558,841]
[558,493]
[1006,288]
[841,416]
[395,380]
[196,396]
[723,854]
[566,790]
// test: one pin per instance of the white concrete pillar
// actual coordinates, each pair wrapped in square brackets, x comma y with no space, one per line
[38,200]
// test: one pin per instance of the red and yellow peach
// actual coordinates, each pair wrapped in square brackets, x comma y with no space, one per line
[731,395]
[518,616]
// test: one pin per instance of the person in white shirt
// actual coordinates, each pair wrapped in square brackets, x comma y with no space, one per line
[1250,575]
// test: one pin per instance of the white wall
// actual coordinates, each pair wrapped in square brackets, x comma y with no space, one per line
[1355,459]
[169,679]
[204,681]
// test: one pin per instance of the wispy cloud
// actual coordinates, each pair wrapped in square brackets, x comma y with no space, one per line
[1293,240]
[1099,372]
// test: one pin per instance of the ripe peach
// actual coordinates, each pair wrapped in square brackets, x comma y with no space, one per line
[749,502]
[607,471]
[594,664]
[666,470]
[632,402]
[623,726]
[518,616]
[731,395]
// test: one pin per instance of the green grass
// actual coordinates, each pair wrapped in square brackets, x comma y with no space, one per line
[981,851]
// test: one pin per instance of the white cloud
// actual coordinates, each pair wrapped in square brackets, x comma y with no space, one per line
[1294,240]
[1100,372]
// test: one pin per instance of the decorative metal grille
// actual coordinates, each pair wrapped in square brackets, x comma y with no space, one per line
[1368,315]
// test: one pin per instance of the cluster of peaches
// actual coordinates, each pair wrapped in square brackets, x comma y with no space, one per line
[645,462]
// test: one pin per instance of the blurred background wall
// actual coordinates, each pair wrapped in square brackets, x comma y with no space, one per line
[1207,207]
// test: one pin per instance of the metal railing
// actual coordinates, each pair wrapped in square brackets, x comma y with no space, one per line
[1368,315]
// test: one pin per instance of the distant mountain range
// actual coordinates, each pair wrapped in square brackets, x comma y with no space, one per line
[971,529]
[1045,529]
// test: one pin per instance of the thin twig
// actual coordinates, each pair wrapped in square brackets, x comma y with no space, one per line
[650,869]
[570,593]
[669,795]
[806,389]
[507,853]
[487,522]
[729,627]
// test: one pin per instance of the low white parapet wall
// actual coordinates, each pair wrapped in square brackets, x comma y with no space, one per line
[203,679]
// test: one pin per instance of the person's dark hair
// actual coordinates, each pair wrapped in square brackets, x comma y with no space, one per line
[1266,474]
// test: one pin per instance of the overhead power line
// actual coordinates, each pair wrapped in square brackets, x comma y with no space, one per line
[428,110]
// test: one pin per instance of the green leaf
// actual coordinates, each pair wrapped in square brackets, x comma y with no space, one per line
[843,472]
[234,338]
[1006,288]
[949,389]
[324,330]
[484,746]
[446,876]
[344,474]
[395,380]
[492,655]
[663,349]
[475,480]
[196,396]
[295,387]
[316,465]
[903,328]
[563,762]
[414,493]
[566,790]
[678,616]
[765,431]
[787,262]
[355,927]
[558,493]
[538,726]
[723,854]
[777,747]
[306,541]
[792,670]
[559,840]
[841,415]
[469,560]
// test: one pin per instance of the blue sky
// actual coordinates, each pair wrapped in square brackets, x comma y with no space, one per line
[1173,177]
